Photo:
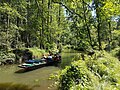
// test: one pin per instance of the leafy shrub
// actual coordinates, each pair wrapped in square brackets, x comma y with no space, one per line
[4,56]
[100,72]
[36,51]
[50,46]
[116,52]
[116,39]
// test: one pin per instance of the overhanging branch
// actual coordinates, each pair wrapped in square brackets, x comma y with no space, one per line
[71,11]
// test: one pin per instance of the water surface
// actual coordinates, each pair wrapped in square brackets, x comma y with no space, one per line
[37,78]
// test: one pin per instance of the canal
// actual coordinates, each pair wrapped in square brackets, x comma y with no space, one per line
[37,79]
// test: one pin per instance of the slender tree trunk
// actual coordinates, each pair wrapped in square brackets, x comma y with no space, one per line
[86,24]
[96,2]
[51,19]
[42,31]
[28,24]
[7,32]
[59,15]
[17,22]
[110,36]
[59,19]
[48,19]
[99,39]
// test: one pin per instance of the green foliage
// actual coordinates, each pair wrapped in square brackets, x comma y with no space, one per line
[41,24]
[116,52]
[50,46]
[4,56]
[98,72]
[6,8]
[116,39]
[37,52]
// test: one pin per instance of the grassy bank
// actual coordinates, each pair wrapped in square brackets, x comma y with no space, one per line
[99,72]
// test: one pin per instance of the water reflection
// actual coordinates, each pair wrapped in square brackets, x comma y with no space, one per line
[38,79]
[12,86]
[67,58]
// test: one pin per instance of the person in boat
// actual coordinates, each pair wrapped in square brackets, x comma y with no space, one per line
[57,57]
[49,58]
[44,58]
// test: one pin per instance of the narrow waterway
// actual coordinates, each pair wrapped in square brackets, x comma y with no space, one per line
[37,78]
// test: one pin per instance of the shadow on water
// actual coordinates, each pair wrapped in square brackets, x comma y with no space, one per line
[12,86]
[31,80]
[23,70]
[27,70]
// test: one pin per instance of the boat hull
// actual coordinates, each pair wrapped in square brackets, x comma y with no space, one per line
[35,64]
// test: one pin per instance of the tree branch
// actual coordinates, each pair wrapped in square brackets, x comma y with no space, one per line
[71,11]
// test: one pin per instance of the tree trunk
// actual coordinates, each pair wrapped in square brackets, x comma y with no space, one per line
[28,24]
[86,24]
[7,32]
[99,39]
[42,31]
[110,36]
[96,2]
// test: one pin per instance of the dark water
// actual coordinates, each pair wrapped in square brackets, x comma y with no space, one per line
[37,78]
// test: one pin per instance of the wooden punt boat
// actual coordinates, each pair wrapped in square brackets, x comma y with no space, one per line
[32,64]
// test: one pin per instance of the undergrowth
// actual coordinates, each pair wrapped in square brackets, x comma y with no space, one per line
[37,52]
[98,72]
